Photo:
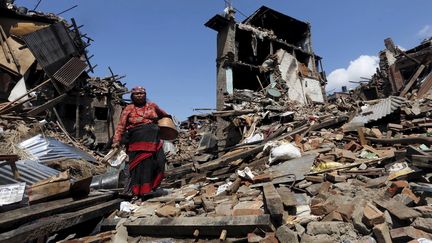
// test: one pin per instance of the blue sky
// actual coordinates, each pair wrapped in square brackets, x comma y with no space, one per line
[164,45]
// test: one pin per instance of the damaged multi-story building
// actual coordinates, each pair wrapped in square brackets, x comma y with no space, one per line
[268,50]
[268,53]
[44,74]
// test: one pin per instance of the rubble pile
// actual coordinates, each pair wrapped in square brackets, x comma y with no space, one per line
[278,161]
[348,182]
[403,73]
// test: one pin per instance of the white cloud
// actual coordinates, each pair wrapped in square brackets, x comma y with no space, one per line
[425,32]
[401,48]
[363,66]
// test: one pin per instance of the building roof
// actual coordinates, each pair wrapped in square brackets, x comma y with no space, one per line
[284,26]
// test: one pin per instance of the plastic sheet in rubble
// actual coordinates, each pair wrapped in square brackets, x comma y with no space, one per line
[11,193]
[48,149]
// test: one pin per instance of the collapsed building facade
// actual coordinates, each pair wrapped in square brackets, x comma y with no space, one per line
[44,73]
[400,73]
[269,52]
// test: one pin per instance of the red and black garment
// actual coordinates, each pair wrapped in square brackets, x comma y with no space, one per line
[146,158]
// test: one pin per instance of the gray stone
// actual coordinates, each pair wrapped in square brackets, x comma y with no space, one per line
[357,217]
[168,211]
[318,239]
[224,209]
[343,186]
[388,219]
[300,229]
[245,191]
[366,239]
[362,167]
[424,224]
[330,228]
[382,233]
[285,234]
[405,199]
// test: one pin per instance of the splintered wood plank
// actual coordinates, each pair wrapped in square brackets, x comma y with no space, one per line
[101,237]
[13,217]
[361,136]
[55,223]
[217,163]
[236,226]
[398,209]
[412,80]
[273,202]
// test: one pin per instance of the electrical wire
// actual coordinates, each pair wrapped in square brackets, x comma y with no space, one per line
[37,5]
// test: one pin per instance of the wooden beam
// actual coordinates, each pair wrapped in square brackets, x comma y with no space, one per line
[46,106]
[58,222]
[15,217]
[11,105]
[236,226]
[232,112]
[329,122]
[412,80]
[214,164]
[77,118]
[273,203]
[395,78]
[361,136]
[224,161]
[11,159]
[408,56]
[101,237]
[413,140]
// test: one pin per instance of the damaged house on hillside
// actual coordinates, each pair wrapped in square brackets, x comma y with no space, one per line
[44,74]
[268,51]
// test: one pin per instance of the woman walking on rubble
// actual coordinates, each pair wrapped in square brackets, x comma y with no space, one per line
[139,131]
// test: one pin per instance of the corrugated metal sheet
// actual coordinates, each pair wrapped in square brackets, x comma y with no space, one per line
[30,172]
[70,71]
[380,110]
[48,149]
[52,46]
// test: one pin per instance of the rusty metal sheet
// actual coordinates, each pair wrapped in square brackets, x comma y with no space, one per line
[69,72]
[52,46]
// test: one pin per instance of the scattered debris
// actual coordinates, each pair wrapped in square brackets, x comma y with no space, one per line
[276,161]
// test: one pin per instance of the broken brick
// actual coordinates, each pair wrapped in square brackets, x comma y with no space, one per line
[396,187]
